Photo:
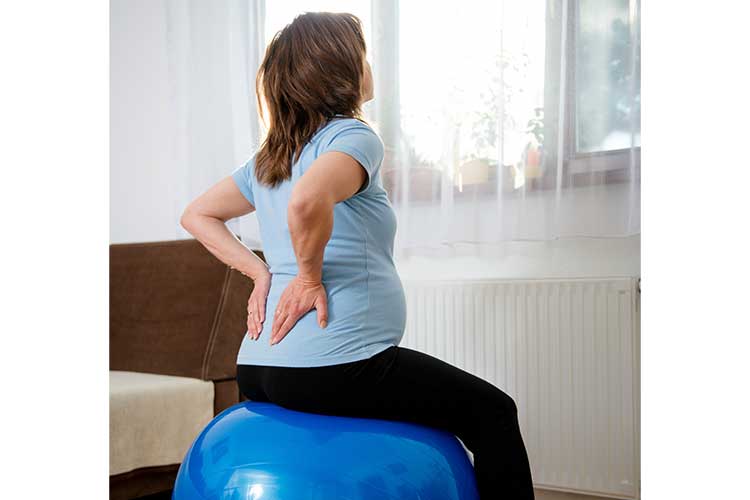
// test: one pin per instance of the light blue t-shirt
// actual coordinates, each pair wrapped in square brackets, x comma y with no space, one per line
[366,302]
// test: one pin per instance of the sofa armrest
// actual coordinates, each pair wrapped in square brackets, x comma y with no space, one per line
[175,309]
[220,360]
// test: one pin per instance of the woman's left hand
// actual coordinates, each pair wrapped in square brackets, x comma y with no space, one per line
[299,297]
[256,305]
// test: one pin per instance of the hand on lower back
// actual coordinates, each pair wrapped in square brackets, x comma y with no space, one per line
[299,298]
[256,306]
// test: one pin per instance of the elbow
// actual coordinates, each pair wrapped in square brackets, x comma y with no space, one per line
[187,219]
[306,207]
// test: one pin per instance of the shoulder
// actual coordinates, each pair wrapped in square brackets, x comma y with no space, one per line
[356,139]
[246,168]
[243,176]
[353,133]
[347,125]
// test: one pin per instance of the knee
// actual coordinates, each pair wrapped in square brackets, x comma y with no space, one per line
[496,419]
[504,406]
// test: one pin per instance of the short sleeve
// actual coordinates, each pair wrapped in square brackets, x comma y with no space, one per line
[361,143]
[243,177]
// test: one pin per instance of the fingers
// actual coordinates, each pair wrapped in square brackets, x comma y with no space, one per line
[251,327]
[288,312]
[259,315]
[295,302]
[255,317]
[278,317]
[262,311]
[286,323]
[321,305]
[256,322]
[250,323]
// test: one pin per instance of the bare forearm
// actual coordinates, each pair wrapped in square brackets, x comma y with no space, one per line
[310,226]
[214,234]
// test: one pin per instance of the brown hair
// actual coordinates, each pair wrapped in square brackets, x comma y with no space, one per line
[313,69]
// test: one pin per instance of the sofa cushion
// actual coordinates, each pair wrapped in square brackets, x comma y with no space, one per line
[153,419]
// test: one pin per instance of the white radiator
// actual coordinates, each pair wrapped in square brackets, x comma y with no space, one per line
[568,353]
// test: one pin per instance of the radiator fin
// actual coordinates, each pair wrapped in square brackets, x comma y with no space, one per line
[565,350]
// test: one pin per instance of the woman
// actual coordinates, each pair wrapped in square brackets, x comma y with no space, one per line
[325,320]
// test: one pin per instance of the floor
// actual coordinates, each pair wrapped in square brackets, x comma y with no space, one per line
[559,495]
[540,495]
[167,495]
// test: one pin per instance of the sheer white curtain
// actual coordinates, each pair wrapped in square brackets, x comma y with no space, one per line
[503,121]
[213,52]
[508,121]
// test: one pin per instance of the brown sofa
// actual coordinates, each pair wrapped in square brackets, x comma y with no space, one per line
[175,309]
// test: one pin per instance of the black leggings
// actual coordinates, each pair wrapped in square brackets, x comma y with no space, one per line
[407,385]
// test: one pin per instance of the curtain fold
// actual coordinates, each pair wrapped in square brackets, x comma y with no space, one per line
[508,121]
[214,50]
[502,121]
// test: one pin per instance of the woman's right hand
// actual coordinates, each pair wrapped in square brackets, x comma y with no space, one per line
[256,305]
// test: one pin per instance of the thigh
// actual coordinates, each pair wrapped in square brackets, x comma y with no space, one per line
[396,384]
[424,389]
[313,389]
[319,389]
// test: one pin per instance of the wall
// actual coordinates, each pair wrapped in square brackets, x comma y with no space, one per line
[141,188]
[564,258]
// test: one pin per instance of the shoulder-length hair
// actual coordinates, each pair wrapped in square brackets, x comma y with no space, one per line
[313,70]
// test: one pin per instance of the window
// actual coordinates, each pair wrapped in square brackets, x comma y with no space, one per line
[600,75]
[606,77]
[465,96]
[477,98]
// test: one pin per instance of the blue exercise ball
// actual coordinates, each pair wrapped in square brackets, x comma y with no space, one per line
[261,451]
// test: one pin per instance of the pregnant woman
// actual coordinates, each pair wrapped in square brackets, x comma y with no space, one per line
[326,316]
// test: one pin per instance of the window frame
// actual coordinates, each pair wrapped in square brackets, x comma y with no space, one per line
[613,163]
